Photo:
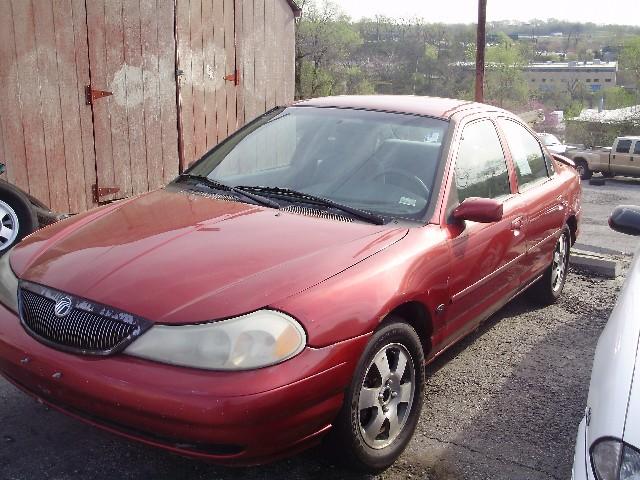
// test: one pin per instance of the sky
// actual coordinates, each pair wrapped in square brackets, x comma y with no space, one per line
[622,12]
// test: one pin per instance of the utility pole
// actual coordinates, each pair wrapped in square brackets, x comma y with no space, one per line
[480,45]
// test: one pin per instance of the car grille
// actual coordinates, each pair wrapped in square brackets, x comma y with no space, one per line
[86,328]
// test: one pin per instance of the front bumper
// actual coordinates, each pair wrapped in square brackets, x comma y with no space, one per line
[581,463]
[227,417]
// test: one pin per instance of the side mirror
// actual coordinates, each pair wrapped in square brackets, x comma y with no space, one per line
[482,210]
[625,219]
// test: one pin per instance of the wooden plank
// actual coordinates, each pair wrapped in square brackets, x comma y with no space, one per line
[29,95]
[185,84]
[151,88]
[247,56]
[70,120]
[209,79]
[220,69]
[290,60]
[260,57]
[2,154]
[197,75]
[271,51]
[116,82]
[239,49]
[230,52]
[50,106]
[85,114]
[167,87]
[135,96]
[11,118]
[280,50]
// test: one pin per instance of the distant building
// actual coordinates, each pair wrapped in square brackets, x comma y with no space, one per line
[550,76]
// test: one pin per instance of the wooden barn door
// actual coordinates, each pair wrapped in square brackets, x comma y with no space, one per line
[207,74]
[132,94]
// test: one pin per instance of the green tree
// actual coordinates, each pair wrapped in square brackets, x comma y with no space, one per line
[505,84]
[630,58]
[325,40]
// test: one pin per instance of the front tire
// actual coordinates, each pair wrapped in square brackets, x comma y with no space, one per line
[383,403]
[548,289]
[583,169]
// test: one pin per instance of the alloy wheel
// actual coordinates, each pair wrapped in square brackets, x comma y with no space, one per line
[559,265]
[9,225]
[386,395]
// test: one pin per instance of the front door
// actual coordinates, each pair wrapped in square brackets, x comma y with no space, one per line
[622,158]
[208,77]
[132,95]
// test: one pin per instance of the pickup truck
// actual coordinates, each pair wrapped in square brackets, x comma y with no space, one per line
[623,158]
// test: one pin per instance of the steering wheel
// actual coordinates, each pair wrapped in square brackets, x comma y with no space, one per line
[406,180]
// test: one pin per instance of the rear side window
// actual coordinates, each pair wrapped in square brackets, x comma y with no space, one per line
[636,149]
[623,146]
[481,169]
[528,157]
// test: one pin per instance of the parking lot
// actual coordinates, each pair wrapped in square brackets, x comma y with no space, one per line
[503,404]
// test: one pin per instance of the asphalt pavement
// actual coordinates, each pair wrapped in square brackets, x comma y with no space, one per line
[505,403]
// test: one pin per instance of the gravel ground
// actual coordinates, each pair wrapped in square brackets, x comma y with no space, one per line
[503,404]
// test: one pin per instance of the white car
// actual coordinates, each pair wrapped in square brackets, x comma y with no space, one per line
[552,143]
[608,444]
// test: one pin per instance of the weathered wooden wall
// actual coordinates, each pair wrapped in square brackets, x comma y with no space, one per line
[47,132]
[216,37]
[56,147]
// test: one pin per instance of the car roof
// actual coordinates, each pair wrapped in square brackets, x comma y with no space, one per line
[629,137]
[411,104]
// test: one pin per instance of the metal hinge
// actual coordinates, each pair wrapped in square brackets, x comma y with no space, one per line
[99,192]
[233,77]
[92,95]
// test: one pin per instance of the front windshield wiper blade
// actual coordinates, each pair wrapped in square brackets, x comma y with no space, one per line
[221,186]
[294,194]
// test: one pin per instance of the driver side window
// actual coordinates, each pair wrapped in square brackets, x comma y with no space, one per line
[481,168]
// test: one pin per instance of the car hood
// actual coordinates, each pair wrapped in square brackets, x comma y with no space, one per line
[176,257]
[613,367]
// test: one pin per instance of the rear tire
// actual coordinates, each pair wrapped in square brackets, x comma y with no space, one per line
[583,169]
[17,218]
[548,288]
[382,405]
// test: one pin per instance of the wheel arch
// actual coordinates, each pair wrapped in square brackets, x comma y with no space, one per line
[417,315]
[572,223]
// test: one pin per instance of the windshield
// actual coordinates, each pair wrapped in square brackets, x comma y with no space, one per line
[379,162]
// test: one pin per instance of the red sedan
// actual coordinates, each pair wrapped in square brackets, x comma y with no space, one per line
[293,283]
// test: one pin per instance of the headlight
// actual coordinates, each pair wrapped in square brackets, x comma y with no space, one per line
[614,460]
[255,340]
[8,284]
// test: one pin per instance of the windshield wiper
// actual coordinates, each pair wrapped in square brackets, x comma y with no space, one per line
[290,194]
[221,186]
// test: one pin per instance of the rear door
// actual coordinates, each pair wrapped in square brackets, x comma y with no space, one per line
[486,257]
[541,196]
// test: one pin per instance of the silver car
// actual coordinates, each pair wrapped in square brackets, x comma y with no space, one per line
[608,444]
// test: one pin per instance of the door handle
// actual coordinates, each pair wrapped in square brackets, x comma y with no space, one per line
[517,223]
